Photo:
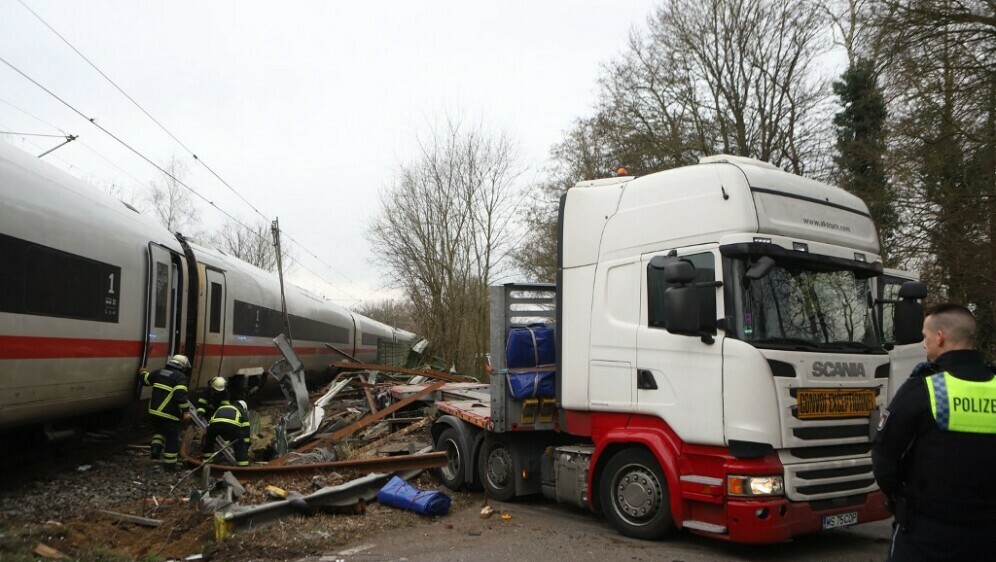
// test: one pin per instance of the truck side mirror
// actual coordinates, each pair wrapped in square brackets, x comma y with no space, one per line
[907,316]
[681,310]
[760,269]
[678,272]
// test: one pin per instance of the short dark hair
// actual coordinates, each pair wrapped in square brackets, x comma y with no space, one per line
[955,319]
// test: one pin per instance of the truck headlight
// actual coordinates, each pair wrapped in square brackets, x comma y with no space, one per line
[755,486]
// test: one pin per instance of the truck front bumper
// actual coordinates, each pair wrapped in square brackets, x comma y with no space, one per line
[777,520]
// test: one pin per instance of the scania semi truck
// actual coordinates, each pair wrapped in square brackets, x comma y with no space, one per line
[721,362]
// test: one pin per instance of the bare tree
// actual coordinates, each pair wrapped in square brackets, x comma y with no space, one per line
[444,233]
[393,312]
[170,201]
[252,243]
[732,76]
[586,152]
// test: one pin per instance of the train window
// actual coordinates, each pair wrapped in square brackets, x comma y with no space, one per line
[215,316]
[370,339]
[43,281]
[259,321]
[162,293]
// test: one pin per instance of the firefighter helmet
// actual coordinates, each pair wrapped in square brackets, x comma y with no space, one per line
[218,384]
[243,405]
[179,361]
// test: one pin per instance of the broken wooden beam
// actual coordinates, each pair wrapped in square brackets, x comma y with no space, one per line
[348,366]
[144,521]
[360,424]
[379,442]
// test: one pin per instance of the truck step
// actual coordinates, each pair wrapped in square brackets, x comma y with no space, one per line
[706,527]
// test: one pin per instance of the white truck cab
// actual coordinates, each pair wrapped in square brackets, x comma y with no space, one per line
[720,357]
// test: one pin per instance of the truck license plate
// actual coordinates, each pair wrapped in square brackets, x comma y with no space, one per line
[826,403]
[840,520]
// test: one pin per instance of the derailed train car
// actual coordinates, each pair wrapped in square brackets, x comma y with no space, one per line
[91,291]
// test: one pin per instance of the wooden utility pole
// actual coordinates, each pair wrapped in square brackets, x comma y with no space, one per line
[275,228]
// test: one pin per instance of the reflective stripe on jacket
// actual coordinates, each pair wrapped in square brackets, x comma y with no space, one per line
[962,406]
[169,393]
[233,415]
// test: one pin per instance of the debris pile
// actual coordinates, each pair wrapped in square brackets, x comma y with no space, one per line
[324,456]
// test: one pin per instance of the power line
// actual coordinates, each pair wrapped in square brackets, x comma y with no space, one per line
[93,121]
[83,144]
[167,131]
[142,109]
[33,135]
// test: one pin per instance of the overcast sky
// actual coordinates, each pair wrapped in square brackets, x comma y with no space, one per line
[305,108]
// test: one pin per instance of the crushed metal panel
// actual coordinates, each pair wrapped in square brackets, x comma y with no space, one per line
[343,495]
[289,372]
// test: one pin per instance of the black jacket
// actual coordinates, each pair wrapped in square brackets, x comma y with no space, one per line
[169,392]
[944,474]
[206,405]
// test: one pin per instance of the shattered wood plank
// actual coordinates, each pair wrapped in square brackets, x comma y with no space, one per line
[380,442]
[144,521]
[360,424]
[347,366]
[46,551]
[370,399]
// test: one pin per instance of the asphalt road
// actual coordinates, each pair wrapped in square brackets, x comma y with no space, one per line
[542,530]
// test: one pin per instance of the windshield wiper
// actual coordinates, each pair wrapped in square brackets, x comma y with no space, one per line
[860,346]
[789,343]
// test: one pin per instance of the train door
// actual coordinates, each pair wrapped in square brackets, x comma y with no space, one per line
[213,341]
[162,308]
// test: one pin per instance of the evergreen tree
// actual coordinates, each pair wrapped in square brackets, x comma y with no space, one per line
[861,147]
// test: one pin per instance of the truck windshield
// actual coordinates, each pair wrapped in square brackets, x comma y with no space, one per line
[804,305]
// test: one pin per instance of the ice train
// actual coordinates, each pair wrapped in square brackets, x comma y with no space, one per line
[91,290]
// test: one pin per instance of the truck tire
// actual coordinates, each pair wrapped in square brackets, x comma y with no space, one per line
[634,495]
[497,469]
[453,474]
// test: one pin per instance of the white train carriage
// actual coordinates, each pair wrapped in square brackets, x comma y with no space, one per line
[90,291]
[75,320]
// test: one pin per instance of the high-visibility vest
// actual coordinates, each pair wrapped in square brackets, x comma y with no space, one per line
[961,405]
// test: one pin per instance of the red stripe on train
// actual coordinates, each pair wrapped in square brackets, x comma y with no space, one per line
[34,347]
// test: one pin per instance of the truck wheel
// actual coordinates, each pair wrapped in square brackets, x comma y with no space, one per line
[634,495]
[497,470]
[452,475]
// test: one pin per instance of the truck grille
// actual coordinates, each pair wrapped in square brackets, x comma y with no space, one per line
[826,459]
[828,479]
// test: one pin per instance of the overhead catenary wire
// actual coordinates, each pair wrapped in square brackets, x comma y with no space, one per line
[33,135]
[81,143]
[142,109]
[178,141]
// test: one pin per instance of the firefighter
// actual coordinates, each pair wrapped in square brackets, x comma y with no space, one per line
[217,395]
[231,423]
[167,407]
[935,448]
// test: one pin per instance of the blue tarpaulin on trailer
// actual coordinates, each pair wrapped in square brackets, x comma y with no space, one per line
[398,493]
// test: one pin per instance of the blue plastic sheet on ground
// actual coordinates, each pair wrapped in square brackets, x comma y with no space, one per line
[398,493]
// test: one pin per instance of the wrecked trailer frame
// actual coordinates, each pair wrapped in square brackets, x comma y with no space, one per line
[401,462]
[348,494]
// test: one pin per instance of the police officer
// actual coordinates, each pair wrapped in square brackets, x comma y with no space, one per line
[935,449]
[217,395]
[231,423]
[166,408]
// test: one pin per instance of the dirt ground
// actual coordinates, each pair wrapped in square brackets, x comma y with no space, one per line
[185,532]
[48,515]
